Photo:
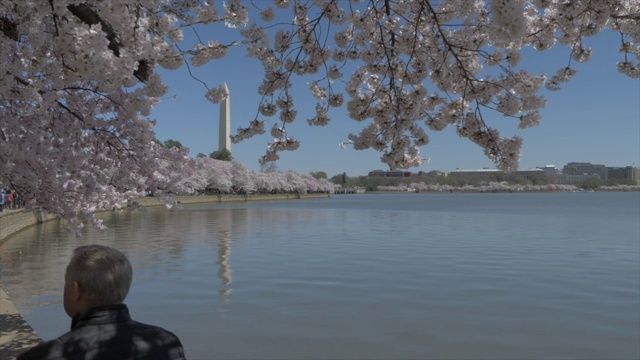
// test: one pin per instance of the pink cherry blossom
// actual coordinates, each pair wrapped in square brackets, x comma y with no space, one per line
[77,81]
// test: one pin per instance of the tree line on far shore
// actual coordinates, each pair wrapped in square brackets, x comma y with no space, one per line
[232,177]
[513,181]
[219,172]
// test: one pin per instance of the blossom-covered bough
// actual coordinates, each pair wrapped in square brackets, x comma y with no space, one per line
[77,79]
[403,67]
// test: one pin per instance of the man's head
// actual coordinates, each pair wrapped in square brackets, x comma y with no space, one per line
[96,275]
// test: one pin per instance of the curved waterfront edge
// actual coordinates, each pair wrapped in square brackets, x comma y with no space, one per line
[17,335]
[13,221]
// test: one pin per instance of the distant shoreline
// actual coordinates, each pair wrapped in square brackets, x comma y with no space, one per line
[459,191]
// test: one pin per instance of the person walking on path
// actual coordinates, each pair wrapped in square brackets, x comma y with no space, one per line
[97,280]
[10,199]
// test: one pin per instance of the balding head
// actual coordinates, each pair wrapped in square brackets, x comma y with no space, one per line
[102,275]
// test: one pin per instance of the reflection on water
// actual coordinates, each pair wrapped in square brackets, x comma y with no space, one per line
[224,252]
[153,239]
[422,276]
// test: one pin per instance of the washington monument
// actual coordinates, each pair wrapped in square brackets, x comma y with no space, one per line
[224,142]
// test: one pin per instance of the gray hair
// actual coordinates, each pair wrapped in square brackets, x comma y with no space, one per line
[103,273]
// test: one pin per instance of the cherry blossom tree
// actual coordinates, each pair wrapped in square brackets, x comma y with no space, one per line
[221,176]
[242,178]
[325,186]
[77,79]
[209,174]
[225,175]
[271,181]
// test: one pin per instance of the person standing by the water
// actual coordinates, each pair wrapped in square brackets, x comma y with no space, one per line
[2,200]
[97,281]
[10,199]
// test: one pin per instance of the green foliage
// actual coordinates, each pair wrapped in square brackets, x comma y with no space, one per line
[319,174]
[268,167]
[455,181]
[224,155]
[595,182]
[539,179]
[172,144]
[169,143]
[517,179]
[345,181]
[615,182]
[592,183]
[201,155]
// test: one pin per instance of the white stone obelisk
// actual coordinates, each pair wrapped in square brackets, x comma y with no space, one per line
[224,142]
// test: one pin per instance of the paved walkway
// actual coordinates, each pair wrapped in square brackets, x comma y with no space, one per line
[15,333]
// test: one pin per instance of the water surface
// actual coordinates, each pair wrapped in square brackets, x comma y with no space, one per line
[440,276]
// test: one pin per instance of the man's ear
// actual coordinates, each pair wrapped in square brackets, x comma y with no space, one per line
[77,291]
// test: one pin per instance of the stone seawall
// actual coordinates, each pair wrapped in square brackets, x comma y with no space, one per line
[12,221]
[212,199]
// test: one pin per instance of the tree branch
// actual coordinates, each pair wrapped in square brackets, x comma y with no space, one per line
[90,17]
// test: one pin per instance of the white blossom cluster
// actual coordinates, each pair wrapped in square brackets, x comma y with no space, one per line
[76,83]
[77,79]
[228,176]
[418,65]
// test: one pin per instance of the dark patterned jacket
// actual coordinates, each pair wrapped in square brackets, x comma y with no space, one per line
[107,332]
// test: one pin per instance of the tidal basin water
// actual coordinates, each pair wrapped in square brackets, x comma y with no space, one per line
[428,276]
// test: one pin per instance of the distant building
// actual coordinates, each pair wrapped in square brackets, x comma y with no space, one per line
[577,172]
[620,172]
[492,174]
[398,173]
[586,169]
[550,170]
[624,173]
[377,173]
[480,174]
[432,173]
[572,173]
[391,173]
[571,179]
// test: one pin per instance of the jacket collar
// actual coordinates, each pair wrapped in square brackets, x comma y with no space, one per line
[105,314]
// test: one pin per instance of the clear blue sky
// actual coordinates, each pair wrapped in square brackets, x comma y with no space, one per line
[594,118]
